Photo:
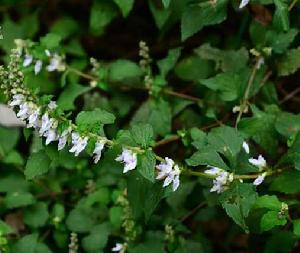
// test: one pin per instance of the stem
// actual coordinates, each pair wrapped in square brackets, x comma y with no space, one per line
[80,73]
[292,4]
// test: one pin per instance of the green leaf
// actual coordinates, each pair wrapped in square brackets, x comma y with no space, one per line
[13,183]
[36,215]
[125,6]
[120,70]
[287,124]
[18,199]
[116,216]
[64,27]
[5,228]
[281,15]
[238,201]
[226,84]
[26,244]
[71,92]
[166,3]
[281,241]
[37,164]
[288,182]
[50,41]
[97,238]
[102,13]
[8,139]
[79,221]
[195,17]
[168,63]
[296,227]
[270,220]
[268,201]
[146,165]
[90,120]
[160,15]
[289,63]
[142,134]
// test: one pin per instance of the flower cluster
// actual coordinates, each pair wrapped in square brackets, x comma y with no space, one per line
[56,62]
[169,171]
[222,179]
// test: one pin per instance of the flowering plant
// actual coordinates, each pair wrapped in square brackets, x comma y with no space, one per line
[168,148]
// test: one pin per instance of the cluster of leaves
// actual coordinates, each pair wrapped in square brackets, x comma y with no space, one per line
[206,59]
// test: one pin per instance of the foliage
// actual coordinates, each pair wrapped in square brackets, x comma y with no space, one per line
[152,126]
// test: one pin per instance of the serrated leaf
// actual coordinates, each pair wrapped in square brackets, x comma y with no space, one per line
[238,201]
[71,92]
[36,215]
[168,63]
[26,244]
[195,17]
[281,15]
[142,134]
[270,220]
[125,6]
[50,41]
[287,124]
[146,165]
[8,139]
[268,201]
[289,63]
[37,165]
[123,69]
[18,199]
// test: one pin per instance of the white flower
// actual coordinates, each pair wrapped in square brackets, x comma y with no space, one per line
[28,60]
[129,158]
[52,105]
[98,150]
[23,113]
[62,139]
[118,247]
[79,143]
[222,180]
[50,135]
[260,179]
[46,124]
[33,119]
[17,99]
[56,63]
[260,162]
[261,62]
[169,171]
[246,147]
[38,67]
[243,3]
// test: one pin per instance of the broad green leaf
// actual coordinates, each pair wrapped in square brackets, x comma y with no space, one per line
[289,63]
[125,6]
[287,124]
[5,228]
[146,165]
[18,199]
[268,201]
[168,63]
[64,27]
[120,70]
[238,201]
[270,220]
[281,15]
[152,243]
[288,182]
[102,13]
[36,215]
[296,225]
[116,216]
[142,134]
[160,15]
[196,16]
[97,238]
[71,92]
[38,164]
[79,221]
[8,139]
[26,244]
[50,41]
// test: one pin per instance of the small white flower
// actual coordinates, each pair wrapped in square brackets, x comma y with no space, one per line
[260,179]
[17,99]
[260,162]
[23,113]
[56,63]
[46,124]
[28,60]
[98,150]
[129,158]
[118,247]
[62,139]
[246,147]
[52,105]
[243,3]
[50,135]
[170,172]
[79,143]
[33,119]
[38,67]
[222,180]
